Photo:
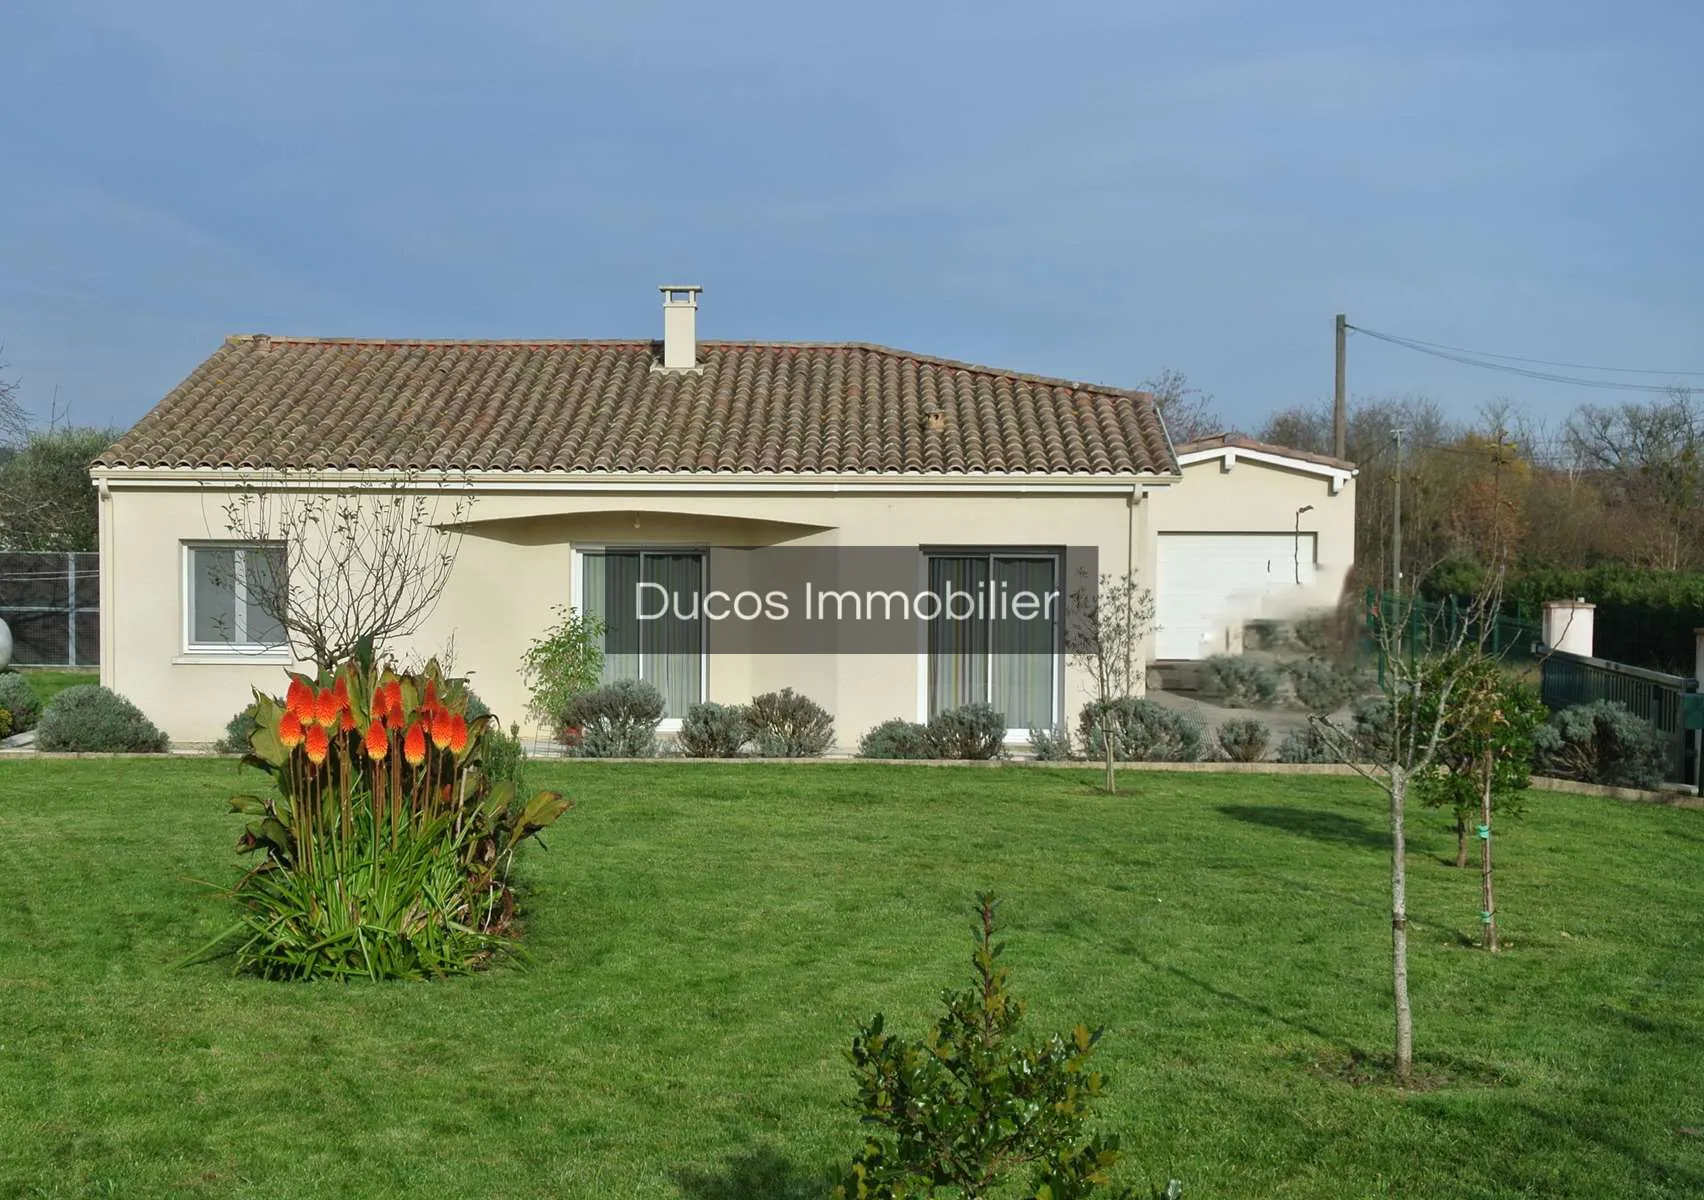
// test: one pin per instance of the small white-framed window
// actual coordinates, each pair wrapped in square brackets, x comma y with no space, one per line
[231,590]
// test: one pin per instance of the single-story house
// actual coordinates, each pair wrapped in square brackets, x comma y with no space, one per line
[596,470]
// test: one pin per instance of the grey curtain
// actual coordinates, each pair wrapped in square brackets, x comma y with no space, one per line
[1023,651]
[666,651]
[958,650]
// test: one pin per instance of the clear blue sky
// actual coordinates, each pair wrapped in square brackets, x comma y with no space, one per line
[1089,189]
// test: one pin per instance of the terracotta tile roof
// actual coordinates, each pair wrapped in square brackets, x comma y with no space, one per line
[296,403]
[1219,441]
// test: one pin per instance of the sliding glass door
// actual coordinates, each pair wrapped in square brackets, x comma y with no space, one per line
[996,640]
[640,596]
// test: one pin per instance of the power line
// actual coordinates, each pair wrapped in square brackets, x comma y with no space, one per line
[1483,361]
[1543,362]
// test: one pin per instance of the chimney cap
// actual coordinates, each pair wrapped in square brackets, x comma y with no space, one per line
[680,293]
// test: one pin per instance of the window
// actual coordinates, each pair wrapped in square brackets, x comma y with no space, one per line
[648,601]
[1006,653]
[227,585]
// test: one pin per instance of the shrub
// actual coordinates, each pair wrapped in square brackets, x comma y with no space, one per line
[617,720]
[1322,686]
[1050,745]
[238,730]
[563,664]
[785,724]
[1305,745]
[1244,739]
[896,739]
[18,698]
[1243,682]
[502,755]
[5,723]
[969,1106]
[90,719]
[1371,723]
[387,845]
[971,731]
[1602,742]
[713,731]
[1141,731]
[476,708]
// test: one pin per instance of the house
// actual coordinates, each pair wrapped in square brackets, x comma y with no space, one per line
[605,472]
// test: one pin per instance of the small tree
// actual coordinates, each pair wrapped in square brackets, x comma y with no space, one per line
[1422,696]
[1107,623]
[364,563]
[47,502]
[563,662]
[967,1107]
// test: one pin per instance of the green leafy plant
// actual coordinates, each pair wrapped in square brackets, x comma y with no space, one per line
[897,738]
[970,731]
[965,1109]
[1243,682]
[93,720]
[1323,686]
[617,720]
[711,730]
[19,698]
[1601,742]
[238,730]
[1306,745]
[1243,739]
[563,663]
[5,723]
[385,845]
[505,757]
[1050,745]
[785,724]
[1485,762]
[1140,730]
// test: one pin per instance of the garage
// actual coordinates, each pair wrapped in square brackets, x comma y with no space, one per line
[1208,584]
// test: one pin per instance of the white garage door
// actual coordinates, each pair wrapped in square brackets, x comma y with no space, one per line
[1210,582]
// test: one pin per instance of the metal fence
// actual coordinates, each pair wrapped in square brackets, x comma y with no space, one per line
[1429,626]
[1668,702]
[51,603]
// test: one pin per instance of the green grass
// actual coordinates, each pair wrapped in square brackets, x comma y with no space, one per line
[48,682]
[704,940]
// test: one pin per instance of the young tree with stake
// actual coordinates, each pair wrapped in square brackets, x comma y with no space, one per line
[1107,623]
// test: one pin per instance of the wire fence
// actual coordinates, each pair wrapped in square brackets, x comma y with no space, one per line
[52,604]
[1430,626]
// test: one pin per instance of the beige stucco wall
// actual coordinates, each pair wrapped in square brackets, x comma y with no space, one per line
[516,562]
[1250,496]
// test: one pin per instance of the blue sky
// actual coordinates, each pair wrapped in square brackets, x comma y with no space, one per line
[1089,189]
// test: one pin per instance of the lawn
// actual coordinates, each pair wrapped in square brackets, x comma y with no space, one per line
[48,682]
[704,939]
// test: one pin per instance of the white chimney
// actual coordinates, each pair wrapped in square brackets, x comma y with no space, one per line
[680,327]
[1568,626]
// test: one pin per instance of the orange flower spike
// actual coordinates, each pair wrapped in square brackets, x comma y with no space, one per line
[299,699]
[290,730]
[441,726]
[377,743]
[317,744]
[346,718]
[458,733]
[431,700]
[414,745]
[393,702]
[325,708]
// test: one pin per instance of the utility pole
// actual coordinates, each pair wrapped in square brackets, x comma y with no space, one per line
[1340,398]
[1396,521]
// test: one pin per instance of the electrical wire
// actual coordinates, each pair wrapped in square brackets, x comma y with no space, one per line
[1483,361]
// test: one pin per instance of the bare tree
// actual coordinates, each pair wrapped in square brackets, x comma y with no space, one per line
[14,421]
[1649,457]
[1188,411]
[1107,623]
[363,563]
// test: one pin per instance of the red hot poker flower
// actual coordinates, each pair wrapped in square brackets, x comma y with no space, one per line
[458,733]
[377,743]
[440,728]
[299,699]
[414,745]
[317,744]
[325,708]
[289,730]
